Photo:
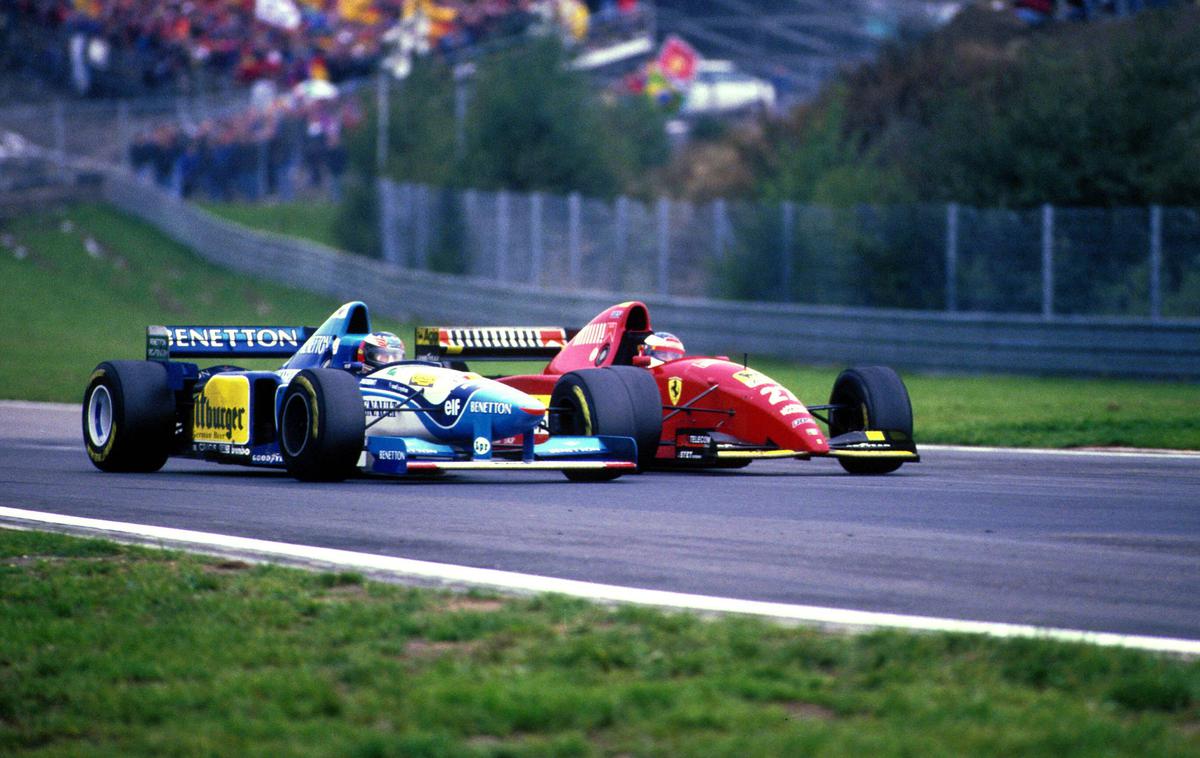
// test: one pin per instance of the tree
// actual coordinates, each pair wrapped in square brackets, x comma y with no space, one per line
[535,124]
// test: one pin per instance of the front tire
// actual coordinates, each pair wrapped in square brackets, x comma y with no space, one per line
[322,425]
[128,416]
[620,401]
[873,397]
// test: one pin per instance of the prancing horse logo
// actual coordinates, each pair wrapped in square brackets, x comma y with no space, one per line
[674,389]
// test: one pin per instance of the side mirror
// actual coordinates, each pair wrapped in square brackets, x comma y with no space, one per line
[641,361]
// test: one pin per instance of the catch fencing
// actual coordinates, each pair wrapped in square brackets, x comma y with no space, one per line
[1134,262]
[817,334]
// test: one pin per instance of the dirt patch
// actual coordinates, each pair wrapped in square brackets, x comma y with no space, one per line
[229,566]
[808,712]
[464,603]
[426,649]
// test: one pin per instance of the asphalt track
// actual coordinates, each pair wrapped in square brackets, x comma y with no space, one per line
[1103,543]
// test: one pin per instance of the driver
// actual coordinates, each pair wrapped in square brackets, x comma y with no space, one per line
[379,349]
[662,347]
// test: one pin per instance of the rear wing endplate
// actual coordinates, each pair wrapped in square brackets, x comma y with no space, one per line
[490,343]
[166,342]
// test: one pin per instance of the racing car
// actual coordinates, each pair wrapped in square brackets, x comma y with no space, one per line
[706,411]
[344,401]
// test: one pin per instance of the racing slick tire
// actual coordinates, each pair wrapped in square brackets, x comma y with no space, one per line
[874,398]
[321,425]
[611,402]
[129,416]
[647,410]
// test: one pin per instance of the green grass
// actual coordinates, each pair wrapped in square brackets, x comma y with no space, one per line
[64,310]
[309,220]
[1016,411]
[115,650]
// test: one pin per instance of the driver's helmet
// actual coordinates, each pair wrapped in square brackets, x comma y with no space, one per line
[662,347]
[379,349]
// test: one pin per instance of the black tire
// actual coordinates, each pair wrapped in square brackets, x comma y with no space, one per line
[323,446]
[620,401]
[593,475]
[875,398]
[647,410]
[128,416]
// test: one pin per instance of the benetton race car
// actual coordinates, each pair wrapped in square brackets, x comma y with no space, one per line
[707,411]
[327,412]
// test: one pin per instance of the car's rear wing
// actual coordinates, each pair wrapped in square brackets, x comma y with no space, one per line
[490,343]
[167,342]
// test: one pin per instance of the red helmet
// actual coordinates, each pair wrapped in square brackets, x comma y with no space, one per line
[662,347]
[380,349]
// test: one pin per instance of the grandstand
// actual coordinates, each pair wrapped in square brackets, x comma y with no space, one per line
[797,44]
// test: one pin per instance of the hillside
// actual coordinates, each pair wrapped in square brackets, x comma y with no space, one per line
[987,111]
[82,284]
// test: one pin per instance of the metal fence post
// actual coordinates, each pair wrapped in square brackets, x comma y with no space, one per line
[952,256]
[472,238]
[260,174]
[620,233]
[421,207]
[574,211]
[407,217]
[718,207]
[788,224]
[60,131]
[382,117]
[535,239]
[460,115]
[502,236]
[664,246]
[387,221]
[123,132]
[1047,261]
[1156,262]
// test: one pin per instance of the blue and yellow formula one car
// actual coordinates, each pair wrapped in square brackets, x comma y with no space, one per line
[344,401]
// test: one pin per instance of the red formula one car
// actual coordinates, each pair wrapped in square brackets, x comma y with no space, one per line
[687,411]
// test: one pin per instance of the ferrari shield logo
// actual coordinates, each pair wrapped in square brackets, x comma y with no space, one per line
[674,389]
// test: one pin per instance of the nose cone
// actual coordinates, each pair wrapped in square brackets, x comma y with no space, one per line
[512,412]
[534,408]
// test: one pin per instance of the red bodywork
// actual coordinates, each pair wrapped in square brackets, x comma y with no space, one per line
[710,403]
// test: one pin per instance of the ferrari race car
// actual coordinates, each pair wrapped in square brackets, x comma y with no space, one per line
[324,415]
[693,411]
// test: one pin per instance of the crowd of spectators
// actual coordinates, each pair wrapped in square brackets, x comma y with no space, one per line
[284,147]
[177,42]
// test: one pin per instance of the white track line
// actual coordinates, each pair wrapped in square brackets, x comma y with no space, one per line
[1120,452]
[448,574]
[37,405]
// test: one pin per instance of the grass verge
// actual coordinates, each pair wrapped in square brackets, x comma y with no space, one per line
[310,220]
[108,649]
[81,284]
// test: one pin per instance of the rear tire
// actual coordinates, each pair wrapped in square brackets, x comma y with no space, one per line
[321,425]
[875,398]
[129,416]
[621,401]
